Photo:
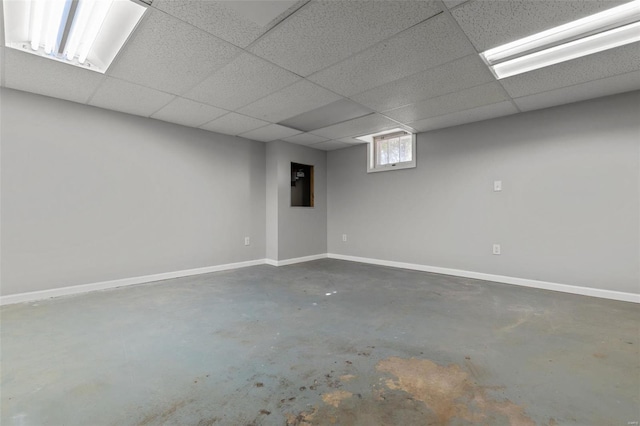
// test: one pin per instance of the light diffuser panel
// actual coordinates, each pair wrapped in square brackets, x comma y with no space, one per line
[602,31]
[83,33]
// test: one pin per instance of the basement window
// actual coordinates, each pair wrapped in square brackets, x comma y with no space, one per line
[301,185]
[390,150]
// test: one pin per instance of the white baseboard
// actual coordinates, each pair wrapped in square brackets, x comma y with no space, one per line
[77,289]
[564,288]
[285,262]
[84,288]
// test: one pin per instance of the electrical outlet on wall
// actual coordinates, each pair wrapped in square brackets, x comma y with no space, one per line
[497,249]
[344,238]
[247,241]
[497,185]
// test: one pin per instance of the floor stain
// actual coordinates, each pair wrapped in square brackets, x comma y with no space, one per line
[330,381]
[476,371]
[449,392]
[438,387]
[523,319]
[302,419]
[336,397]
[208,422]
[395,409]
[347,377]
[163,416]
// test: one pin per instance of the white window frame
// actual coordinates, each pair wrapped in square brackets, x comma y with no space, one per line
[372,166]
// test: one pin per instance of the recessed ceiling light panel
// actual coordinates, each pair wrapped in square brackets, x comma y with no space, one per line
[83,33]
[602,31]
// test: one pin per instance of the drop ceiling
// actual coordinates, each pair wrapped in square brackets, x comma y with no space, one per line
[319,73]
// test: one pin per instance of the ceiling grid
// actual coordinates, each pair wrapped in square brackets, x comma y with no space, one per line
[248,71]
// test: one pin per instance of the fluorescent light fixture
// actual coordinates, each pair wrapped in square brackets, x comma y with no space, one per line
[602,31]
[83,33]
[369,138]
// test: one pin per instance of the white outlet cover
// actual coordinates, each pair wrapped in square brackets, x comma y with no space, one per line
[497,185]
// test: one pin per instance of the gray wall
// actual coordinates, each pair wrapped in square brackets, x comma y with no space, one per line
[301,231]
[90,195]
[568,212]
[273,206]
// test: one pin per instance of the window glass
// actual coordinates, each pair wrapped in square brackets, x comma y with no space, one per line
[405,148]
[394,150]
[391,151]
[383,152]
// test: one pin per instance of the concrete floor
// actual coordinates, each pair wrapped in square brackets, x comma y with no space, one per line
[321,343]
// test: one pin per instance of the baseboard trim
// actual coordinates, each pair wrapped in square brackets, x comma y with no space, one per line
[84,288]
[291,261]
[564,288]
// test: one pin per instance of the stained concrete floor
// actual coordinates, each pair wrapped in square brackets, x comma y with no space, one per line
[320,343]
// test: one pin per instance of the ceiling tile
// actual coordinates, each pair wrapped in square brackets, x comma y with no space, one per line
[234,124]
[429,44]
[330,145]
[322,33]
[397,61]
[484,112]
[241,82]
[351,140]
[1,49]
[360,126]
[580,92]
[170,55]
[305,139]
[2,26]
[31,73]
[188,113]
[270,133]
[127,97]
[456,75]
[239,22]
[335,112]
[2,66]
[458,101]
[620,60]
[263,12]
[453,3]
[493,23]
[298,98]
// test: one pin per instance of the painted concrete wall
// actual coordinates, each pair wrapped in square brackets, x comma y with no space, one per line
[90,195]
[272,204]
[568,213]
[301,231]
